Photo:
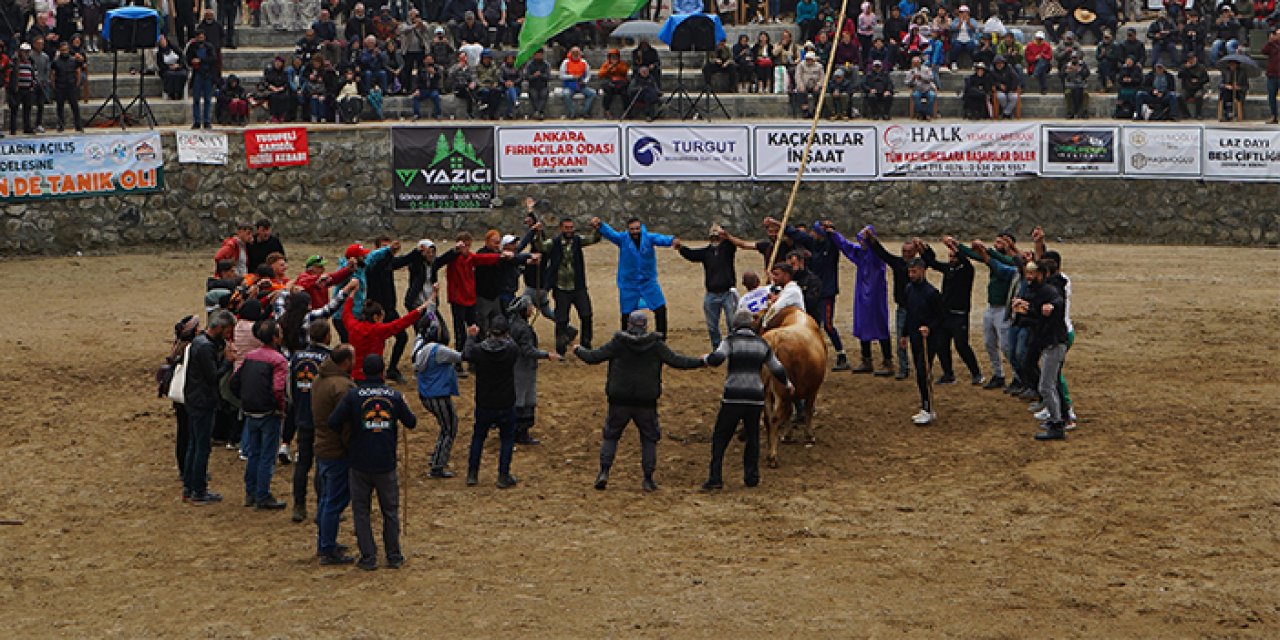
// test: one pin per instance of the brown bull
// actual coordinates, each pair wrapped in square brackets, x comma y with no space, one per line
[799,345]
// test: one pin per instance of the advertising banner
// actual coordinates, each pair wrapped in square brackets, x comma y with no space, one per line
[1236,154]
[442,168]
[533,154]
[707,152]
[1162,152]
[838,153]
[996,151]
[80,166]
[276,147]
[201,147]
[1080,151]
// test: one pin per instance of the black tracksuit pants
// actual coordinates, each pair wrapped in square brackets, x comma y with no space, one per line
[731,414]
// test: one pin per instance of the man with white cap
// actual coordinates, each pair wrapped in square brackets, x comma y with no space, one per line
[421,273]
[509,271]
[1039,56]
[22,89]
[808,83]
[965,34]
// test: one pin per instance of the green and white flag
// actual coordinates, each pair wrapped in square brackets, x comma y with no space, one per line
[544,19]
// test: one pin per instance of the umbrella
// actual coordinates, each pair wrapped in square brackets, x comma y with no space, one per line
[637,29]
[1247,65]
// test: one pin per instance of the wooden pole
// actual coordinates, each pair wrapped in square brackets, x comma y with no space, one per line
[813,130]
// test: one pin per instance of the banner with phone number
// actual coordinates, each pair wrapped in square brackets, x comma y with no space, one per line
[80,166]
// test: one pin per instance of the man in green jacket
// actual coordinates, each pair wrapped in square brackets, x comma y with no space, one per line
[634,385]
[1000,283]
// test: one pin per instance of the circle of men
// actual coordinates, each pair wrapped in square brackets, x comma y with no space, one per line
[259,374]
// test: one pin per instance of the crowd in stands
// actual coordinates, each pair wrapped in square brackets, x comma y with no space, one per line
[294,369]
[351,55]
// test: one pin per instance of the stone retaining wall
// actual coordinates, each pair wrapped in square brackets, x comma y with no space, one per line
[345,194]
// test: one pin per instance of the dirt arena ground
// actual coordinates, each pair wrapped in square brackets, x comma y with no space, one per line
[1159,517]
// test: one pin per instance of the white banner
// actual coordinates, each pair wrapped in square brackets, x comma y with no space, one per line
[838,152]
[1236,154]
[995,151]
[201,147]
[1162,152]
[1080,151]
[707,152]
[534,154]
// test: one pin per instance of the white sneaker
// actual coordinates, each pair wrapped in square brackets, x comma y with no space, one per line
[1042,415]
[284,454]
[954,66]
[922,417]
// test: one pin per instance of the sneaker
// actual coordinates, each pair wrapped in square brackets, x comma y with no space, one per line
[885,370]
[440,473]
[712,485]
[473,478]
[977,379]
[206,498]
[649,486]
[39,129]
[244,457]
[946,380]
[1071,425]
[996,382]
[367,564]
[901,375]
[1042,414]
[864,366]
[233,445]
[1054,432]
[340,549]
[506,481]
[335,558]
[602,481]
[842,362]
[299,512]
[922,417]
[1014,388]
[283,454]
[395,562]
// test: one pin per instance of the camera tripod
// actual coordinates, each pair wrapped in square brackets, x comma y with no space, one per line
[117,112]
[695,110]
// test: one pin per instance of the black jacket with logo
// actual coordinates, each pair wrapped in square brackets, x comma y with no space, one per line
[372,410]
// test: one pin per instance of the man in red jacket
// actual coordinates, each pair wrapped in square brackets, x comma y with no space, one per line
[234,249]
[369,333]
[461,290]
[316,282]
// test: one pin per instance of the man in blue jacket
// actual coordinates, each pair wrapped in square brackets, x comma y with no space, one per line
[374,411]
[638,286]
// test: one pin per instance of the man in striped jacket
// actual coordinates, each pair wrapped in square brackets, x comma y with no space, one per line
[743,398]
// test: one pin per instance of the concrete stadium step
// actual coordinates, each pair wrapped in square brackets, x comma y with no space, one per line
[741,108]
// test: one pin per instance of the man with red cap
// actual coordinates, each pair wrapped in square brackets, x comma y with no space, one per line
[358,258]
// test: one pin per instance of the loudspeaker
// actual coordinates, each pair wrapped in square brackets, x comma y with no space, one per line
[695,33]
[131,28]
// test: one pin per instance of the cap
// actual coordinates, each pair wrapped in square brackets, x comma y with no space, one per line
[486,54]
[964,8]
[1160,64]
[810,55]
[998,59]
[469,14]
[508,239]
[355,250]
[980,65]
[1040,35]
[439,31]
[715,230]
[315,261]
[426,244]
[1031,266]
[24,47]
[876,63]
[839,72]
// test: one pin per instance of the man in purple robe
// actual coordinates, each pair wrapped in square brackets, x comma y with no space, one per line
[870,300]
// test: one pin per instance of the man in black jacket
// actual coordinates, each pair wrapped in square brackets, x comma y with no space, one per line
[634,385]
[304,368]
[743,398]
[373,411]
[718,277]
[566,272]
[494,362]
[898,264]
[924,315]
[957,291]
[1045,309]
[264,244]
[808,282]
[206,364]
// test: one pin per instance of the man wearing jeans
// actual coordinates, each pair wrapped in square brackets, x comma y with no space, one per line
[1046,310]
[332,469]
[1000,284]
[1272,50]
[899,267]
[206,364]
[260,384]
[494,360]
[202,59]
[304,368]
[372,412]
[718,277]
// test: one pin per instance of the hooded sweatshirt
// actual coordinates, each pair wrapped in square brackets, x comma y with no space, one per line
[494,359]
[372,411]
[635,366]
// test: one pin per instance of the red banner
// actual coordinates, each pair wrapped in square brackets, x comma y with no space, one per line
[279,147]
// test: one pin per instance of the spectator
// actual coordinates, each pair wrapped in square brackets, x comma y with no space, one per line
[1054,17]
[718,72]
[575,75]
[1163,35]
[1108,56]
[645,55]
[614,76]
[184,21]
[976,95]
[847,53]
[1272,51]
[469,30]
[1232,90]
[924,89]
[42,64]
[1193,36]
[866,22]
[320,89]
[207,363]
[1158,99]
[372,65]
[762,54]
[1005,83]
[965,34]
[358,27]
[213,33]
[332,470]
[416,40]
[66,71]
[1039,55]
[841,90]
[492,14]
[877,91]
[395,68]
[1133,48]
[427,86]
[326,31]
[275,82]
[1226,35]
[173,73]
[1066,48]
[462,82]
[1129,82]
[1195,79]
[809,75]
[895,26]
[488,90]
[745,63]
[91,24]
[644,93]
[1073,84]
[537,71]
[228,16]
[202,60]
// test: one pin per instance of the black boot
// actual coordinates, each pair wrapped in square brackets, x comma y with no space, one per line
[649,485]
[473,477]
[1056,431]
[842,362]
[523,437]
[602,479]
